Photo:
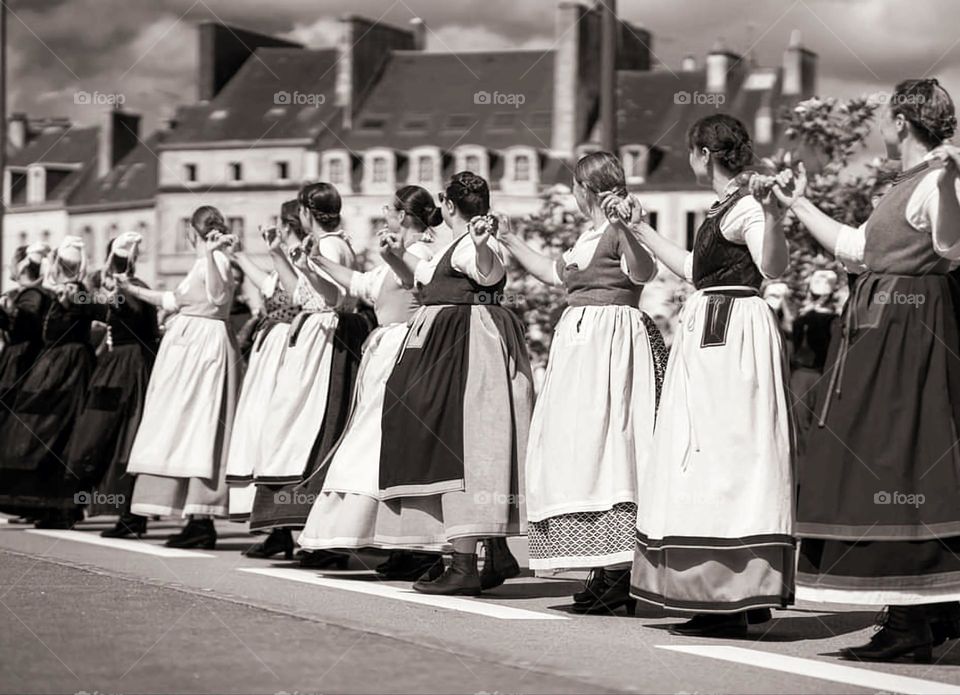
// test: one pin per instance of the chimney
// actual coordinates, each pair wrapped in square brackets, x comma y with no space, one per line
[419,30]
[722,64]
[576,76]
[364,48]
[799,68]
[689,63]
[223,50]
[17,130]
[763,125]
[634,47]
[117,138]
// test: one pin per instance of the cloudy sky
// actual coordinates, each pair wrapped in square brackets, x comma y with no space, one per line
[146,49]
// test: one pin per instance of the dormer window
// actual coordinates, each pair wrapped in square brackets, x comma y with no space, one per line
[336,166]
[424,165]
[636,162]
[473,158]
[335,171]
[521,167]
[471,163]
[521,170]
[379,170]
[424,168]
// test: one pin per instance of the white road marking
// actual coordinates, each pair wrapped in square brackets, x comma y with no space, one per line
[133,546]
[812,668]
[377,588]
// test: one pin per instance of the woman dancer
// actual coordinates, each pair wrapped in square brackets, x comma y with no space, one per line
[315,377]
[345,513]
[715,512]
[879,488]
[179,453]
[50,399]
[593,423]
[457,404]
[21,320]
[249,443]
[103,436]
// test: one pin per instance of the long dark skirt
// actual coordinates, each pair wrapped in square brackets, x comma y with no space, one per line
[34,473]
[277,506]
[103,436]
[15,362]
[879,480]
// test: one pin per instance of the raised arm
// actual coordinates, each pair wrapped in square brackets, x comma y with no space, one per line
[216,268]
[342,275]
[539,265]
[822,227]
[257,275]
[946,230]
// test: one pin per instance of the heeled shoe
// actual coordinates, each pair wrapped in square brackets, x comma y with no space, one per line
[904,631]
[499,564]
[461,578]
[132,525]
[713,625]
[410,566]
[614,592]
[198,533]
[324,560]
[279,541]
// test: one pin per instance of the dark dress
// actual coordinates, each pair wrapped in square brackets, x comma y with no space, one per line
[24,340]
[103,436]
[879,480]
[811,341]
[34,474]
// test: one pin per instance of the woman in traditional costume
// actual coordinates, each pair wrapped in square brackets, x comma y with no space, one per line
[103,436]
[249,442]
[879,481]
[180,452]
[457,405]
[715,512]
[36,476]
[307,410]
[592,426]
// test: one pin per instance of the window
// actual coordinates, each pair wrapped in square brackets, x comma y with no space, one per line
[416,123]
[652,219]
[235,171]
[636,163]
[458,121]
[521,167]
[691,229]
[379,174]
[189,172]
[472,163]
[18,187]
[236,226]
[425,168]
[373,123]
[283,171]
[503,121]
[335,171]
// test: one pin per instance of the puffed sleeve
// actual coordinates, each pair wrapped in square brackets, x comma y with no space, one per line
[366,286]
[923,212]
[464,260]
[851,242]
[688,267]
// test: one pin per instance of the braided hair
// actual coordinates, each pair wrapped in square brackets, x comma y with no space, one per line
[726,138]
[928,108]
[469,193]
[322,201]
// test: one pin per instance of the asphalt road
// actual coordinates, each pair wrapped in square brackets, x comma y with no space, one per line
[120,618]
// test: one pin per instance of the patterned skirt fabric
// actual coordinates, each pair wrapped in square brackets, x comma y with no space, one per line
[583,539]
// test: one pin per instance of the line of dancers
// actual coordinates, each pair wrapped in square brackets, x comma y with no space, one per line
[394,408]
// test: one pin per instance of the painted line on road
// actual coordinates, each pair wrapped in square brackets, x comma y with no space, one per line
[812,668]
[120,544]
[376,588]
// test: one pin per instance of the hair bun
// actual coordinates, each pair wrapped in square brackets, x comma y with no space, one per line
[434,217]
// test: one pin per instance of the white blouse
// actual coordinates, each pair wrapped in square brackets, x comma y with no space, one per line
[464,260]
[922,213]
[584,249]
[335,248]
[368,285]
[743,224]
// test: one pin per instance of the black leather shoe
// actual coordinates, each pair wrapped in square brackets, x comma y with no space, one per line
[198,533]
[499,564]
[944,619]
[713,625]
[592,588]
[758,616]
[904,631]
[279,541]
[324,560]
[409,567]
[131,525]
[613,591]
[461,578]
[56,519]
